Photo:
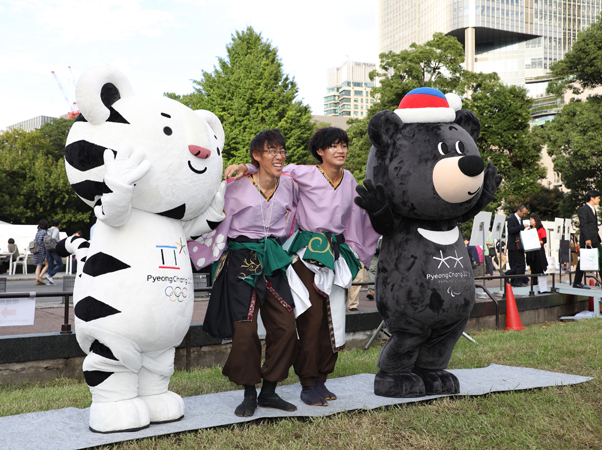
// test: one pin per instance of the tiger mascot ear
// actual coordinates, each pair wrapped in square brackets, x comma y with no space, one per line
[97,89]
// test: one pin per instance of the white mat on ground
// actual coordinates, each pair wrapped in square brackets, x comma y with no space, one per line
[68,428]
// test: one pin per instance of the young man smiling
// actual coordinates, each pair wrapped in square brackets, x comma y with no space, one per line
[334,233]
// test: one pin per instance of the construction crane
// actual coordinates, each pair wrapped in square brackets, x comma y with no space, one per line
[73,111]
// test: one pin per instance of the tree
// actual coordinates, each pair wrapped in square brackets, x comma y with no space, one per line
[506,139]
[545,203]
[435,64]
[249,93]
[56,131]
[34,184]
[504,112]
[575,145]
[581,67]
[573,137]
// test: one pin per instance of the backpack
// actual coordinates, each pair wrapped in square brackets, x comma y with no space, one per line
[34,247]
[49,242]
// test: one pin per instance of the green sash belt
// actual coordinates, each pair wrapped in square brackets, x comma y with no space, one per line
[270,254]
[319,249]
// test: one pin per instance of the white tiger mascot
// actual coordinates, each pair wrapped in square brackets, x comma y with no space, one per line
[151,168]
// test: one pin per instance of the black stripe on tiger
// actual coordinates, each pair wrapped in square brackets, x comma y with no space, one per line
[88,309]
[176,213]
[89,189]
[102,350]
[101,264]
[84,155]
[95,377]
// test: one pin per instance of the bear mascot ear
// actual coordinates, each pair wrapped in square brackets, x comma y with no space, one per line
[97,89]
[382,127]
[469,121]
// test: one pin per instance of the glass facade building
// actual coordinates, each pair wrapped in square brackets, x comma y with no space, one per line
[348,90]
[518,39]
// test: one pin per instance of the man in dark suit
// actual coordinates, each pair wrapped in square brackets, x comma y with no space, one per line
[588,227]
[516,255]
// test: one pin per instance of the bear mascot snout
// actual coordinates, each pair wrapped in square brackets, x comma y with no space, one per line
[424,176]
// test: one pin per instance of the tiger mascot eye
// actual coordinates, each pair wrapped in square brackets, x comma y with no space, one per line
[151,168]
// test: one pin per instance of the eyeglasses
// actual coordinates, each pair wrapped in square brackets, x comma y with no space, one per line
[274,151]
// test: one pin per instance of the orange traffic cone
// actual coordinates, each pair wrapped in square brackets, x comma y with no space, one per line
[512,317]
[591,299]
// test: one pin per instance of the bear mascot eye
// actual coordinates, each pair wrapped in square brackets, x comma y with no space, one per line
[460,147]
[442,147]
[167,131]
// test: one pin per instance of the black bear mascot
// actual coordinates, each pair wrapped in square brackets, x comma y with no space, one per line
[424,176]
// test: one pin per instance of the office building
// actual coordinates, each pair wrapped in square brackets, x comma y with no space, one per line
[518,39]
[31,124]
[348,90]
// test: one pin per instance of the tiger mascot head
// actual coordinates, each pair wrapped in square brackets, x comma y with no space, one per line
[184,147]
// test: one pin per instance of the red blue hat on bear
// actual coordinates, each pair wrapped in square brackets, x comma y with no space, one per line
[428,105]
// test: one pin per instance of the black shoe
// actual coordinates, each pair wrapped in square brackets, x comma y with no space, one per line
[247,407]
[274,401]
[370,295]
[269,399]
[312,397]
[353,309]
[320,387]
[580,286]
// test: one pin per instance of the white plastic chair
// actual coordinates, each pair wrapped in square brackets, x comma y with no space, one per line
[22,259]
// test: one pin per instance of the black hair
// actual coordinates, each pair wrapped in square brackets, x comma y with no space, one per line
[591,194]
[324,138]
[43,224]
[521,208]
[56,222]
[537,220]
[274,138]
[11,241]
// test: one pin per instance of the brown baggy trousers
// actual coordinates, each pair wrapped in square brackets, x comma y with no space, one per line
[243,366]
[314,357]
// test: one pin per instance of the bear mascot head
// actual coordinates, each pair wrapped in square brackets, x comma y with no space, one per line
[424,176]
[152,170]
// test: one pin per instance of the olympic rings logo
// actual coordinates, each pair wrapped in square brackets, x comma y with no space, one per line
[176,294]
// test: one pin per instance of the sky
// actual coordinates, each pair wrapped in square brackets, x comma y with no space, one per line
[162,45]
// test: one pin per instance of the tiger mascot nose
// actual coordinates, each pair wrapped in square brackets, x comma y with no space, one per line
[199,152]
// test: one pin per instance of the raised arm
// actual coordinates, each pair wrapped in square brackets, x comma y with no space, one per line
[122,171]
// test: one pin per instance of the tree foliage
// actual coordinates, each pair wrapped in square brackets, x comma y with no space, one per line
[504,113]
[575,145]
[506,139]
[581,67]
[33,181]
[249,92]
[546,203]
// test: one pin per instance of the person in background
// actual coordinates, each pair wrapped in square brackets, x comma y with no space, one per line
[489,252]
[12,248]
[516,255]
[55,262]
[537,260]
[353,297]
[589,235]
[372,269]
[39,259]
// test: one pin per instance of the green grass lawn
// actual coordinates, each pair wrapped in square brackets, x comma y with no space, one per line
[567,417]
